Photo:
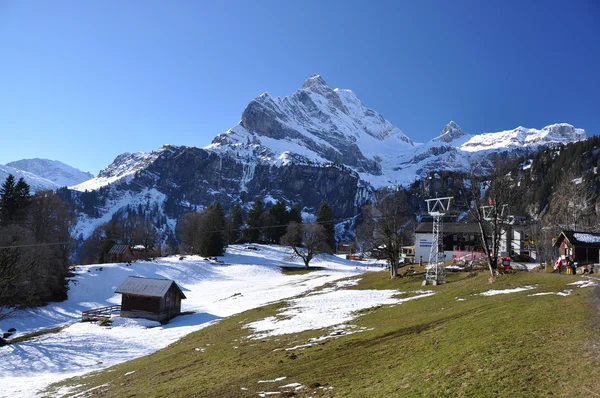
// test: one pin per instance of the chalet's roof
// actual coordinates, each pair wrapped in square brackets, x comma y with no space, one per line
[587,239]
[147,287]
[451,228]
[118,249]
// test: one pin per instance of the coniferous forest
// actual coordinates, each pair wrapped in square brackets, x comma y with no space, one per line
[35,247]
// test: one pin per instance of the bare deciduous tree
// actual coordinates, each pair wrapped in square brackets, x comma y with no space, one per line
[306,240]
[571,203]
[491,197]
[387,225]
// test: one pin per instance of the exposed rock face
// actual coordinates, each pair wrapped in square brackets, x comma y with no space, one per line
[449,133]
[317,144]
[192,176]
[329,125]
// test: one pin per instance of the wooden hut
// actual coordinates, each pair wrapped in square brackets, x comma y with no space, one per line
[582,247]
[120,254]
[154,299]
[141,253]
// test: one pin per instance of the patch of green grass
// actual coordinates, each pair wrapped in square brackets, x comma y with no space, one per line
[31,336]
[483,346]
[104,322]
[287,270]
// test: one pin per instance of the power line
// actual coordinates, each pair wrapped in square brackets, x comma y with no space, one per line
[34,245]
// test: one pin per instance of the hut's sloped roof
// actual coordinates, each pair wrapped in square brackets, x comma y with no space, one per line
[590,239]
[149,287]
[118,249]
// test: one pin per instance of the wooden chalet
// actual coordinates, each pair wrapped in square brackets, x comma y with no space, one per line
[139,252]
[582,247]
[154,299]
[120,254]
[347,247]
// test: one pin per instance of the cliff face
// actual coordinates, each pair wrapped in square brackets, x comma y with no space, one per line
[175,180]
[318,144]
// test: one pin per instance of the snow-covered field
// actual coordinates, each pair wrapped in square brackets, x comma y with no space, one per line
[244,279]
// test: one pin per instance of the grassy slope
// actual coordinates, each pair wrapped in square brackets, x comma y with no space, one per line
[505,345]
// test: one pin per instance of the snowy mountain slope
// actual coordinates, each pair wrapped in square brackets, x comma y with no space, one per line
[318,125]
[36,183]
[315,124]
[522,137]
[321,125]
[61,174]
[317,144]
[450,133]
[208,285]
[124,166]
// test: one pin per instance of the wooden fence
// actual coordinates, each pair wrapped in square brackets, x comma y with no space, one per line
[100,313]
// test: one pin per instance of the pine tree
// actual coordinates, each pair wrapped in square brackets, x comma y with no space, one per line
[295,215]
[14,199]
[279,219]
[23,199]
[8,200]
[252,233]
[235,223]
[325,218]
[212,231]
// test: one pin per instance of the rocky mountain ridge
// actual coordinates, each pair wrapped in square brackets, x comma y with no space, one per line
[44,174]
[317,144]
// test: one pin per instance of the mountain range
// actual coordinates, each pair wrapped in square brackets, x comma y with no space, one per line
[317,144]
[44,174]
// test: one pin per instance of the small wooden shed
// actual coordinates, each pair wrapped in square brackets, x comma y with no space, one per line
[120,253]
[582,247]
[154,299]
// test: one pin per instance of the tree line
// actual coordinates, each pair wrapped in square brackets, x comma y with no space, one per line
[35,235]
[209,231]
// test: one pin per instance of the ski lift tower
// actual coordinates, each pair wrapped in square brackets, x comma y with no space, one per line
[437,208]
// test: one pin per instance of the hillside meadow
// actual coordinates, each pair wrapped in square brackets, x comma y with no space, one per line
[530,334]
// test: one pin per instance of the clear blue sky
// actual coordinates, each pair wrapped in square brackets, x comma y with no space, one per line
[84,81]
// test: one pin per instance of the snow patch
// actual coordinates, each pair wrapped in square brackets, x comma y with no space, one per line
[563,293]
[587,238]
[507,291]
[133,323]
[583,284]
[324,310]
[273,381]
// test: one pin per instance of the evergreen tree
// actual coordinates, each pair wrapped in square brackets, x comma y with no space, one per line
[14,199]
[212,235]
[279,220]
[252,233]
[325,218]
[235,223]
[295,215]
[8,200]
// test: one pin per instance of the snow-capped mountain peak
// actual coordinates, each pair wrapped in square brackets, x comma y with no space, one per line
[124,165]
[59,173]
[315,82]
[561,133]
[449,133]
[315,124]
